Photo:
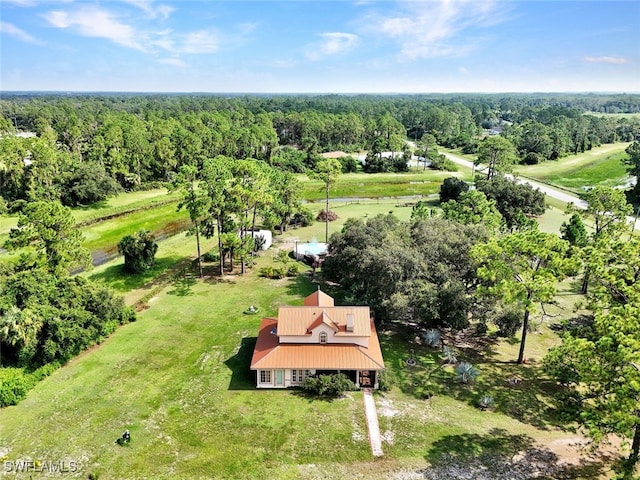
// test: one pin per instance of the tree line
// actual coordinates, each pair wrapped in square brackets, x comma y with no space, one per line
[89,147]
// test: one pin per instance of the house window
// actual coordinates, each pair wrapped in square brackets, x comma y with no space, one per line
[323,337]
[298,376]
[265,376]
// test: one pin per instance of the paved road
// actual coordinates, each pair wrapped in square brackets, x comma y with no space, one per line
[550,191]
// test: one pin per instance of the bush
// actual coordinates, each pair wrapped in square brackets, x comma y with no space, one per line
[508,324]
[139,251]
[443,163]
[466,373]
[328,385]
[385,381]
[304,218]
[485,402]
[349,164]
[293,270]
[3,206]
[323,216]
[210,256]
[14,385]
[432,338]
[275,273]
[449,355]
[45,370]
[16,206]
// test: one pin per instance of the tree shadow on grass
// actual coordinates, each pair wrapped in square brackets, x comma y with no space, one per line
[183,286]
[312,397]
[500,455]
[241,377]
[121,281]
[302,286]
[520,392]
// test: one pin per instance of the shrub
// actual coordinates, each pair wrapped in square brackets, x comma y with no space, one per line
[328,385]
[14,385]
[3,206]
[485,402]
[432,338]
[16,206]
[385,381]
[258,242]
[211,256]
[275,273]
[443,163]
[323,216]
[281,256]
[45,371]
[304,218]
[293,270]
[466,373]
[508,323]
[449,355]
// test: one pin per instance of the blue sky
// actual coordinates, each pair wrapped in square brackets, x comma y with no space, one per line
[306,46]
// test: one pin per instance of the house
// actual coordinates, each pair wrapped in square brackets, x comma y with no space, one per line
[317,338]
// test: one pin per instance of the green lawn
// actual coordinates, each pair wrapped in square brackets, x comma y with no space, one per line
[178,379]
[366,185]
[600,166]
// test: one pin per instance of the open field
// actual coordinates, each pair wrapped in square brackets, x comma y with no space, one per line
[366,185]
[600,166]
[178,379]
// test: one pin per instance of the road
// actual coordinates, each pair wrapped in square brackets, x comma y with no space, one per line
[546,189]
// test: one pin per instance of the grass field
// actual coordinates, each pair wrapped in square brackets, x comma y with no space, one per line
[178,379]
[365,185]
[600,166]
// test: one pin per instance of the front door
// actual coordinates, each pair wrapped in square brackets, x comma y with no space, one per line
[279,378]
[365,378]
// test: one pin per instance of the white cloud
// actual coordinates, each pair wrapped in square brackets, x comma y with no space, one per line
[612,60]
[12,30]
[174,62]
[332,43]
[95,22]
[437,28]
[203,41]
[464,71]
[150,9]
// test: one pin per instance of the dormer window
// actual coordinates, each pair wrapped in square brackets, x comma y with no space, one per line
[323,337]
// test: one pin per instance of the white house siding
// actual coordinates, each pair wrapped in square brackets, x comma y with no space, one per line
[331,337]
[288,378]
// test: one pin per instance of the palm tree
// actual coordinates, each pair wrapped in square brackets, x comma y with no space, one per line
[8,322]
[18,328]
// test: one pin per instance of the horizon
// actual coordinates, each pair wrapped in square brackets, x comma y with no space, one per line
[266,94]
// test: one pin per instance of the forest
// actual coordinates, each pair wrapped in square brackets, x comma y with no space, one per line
[88,147]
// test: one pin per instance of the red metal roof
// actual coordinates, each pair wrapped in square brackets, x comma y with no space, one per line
[268,353]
